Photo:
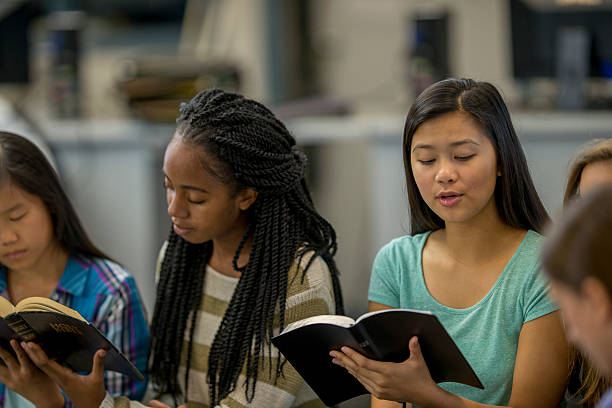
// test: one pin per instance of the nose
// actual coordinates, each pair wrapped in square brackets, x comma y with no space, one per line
[176,206]
[446,173]
[8,236]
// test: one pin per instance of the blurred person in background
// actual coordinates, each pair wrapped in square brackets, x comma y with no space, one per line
[590,168]
[577,257]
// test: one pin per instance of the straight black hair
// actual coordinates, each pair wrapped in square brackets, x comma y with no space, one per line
[516,198]
[23,164]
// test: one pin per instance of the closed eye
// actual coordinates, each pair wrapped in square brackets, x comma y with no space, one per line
[196,202]
[18,217]
[465,158]
[426,162]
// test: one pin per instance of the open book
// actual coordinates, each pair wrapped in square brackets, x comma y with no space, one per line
[381,335]
[62,332]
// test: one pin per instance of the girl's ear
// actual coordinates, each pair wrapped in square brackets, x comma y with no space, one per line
[598,298]
[246,198]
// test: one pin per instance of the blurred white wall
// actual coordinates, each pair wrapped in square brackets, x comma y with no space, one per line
[363,46]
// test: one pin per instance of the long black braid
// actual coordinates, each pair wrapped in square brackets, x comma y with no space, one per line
[251,149]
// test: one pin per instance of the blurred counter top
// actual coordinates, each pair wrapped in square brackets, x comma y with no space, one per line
[583,125]
[108,134]
[376,128]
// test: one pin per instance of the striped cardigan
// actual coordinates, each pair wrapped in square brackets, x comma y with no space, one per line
[310,297]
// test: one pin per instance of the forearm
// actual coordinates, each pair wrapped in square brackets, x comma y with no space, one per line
[52,400]
[444,399]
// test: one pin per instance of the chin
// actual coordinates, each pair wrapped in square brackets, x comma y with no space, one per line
[193,239]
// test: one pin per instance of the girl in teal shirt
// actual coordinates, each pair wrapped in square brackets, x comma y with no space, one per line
[471,259]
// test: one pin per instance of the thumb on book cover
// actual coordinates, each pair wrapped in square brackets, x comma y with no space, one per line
[97,369]
[415,348]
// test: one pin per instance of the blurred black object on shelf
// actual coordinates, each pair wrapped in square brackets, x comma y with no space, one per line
[428,59]
[64,31]
[155,87]
[15,18]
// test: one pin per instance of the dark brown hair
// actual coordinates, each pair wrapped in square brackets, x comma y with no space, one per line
[581,243]
[595,151]
[24,165]
[516,198]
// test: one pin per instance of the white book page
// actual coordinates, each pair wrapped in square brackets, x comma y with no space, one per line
[342,321]
[363,316]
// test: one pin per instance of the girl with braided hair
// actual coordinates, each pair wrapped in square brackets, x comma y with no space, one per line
[247,255]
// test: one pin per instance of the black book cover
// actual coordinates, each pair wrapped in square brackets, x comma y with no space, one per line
[383,336]
[68,340]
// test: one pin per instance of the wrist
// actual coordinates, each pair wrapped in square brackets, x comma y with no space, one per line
[52,400]
[436,397]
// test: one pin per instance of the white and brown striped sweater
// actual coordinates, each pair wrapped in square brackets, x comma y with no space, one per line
[310,297]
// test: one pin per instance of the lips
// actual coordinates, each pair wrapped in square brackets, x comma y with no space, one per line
[449,198]
[182,230]
[14,255]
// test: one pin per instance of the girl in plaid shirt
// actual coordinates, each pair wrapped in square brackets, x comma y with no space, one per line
[44,251]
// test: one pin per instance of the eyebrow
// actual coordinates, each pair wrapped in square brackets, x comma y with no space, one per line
[13,208]
[186,187]
[454,144]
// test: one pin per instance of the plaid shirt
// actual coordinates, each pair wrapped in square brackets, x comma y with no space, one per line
[105,294]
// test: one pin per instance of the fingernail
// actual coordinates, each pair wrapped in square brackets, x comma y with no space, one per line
[332,353]
[103,353]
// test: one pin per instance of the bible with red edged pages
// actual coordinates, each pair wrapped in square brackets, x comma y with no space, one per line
[381,335]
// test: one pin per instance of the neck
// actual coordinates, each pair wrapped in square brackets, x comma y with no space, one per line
[479,239]
[224,250]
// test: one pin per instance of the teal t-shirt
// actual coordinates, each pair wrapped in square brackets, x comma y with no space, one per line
[487,333]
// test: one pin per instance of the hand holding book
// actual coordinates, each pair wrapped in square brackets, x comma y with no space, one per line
[409,380]
[21,375]
[84,391]
[374,338]
[62,332]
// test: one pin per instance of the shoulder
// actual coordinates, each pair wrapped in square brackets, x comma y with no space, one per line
[308,272]
[532,244]
[105,277]
[309,278]
[527,256]
[402,250]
